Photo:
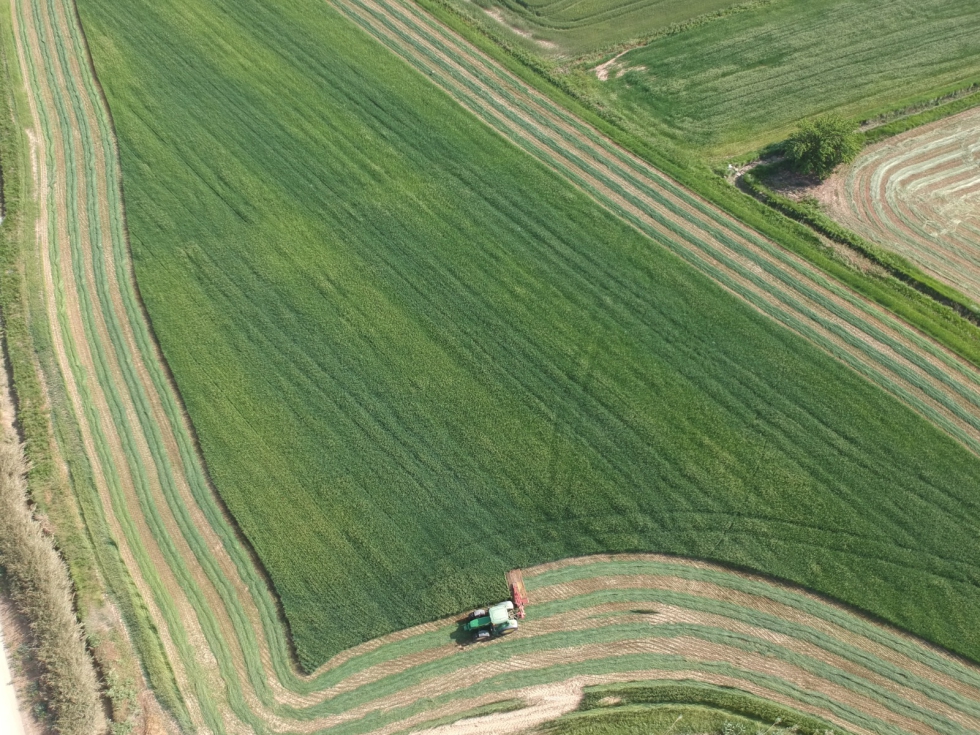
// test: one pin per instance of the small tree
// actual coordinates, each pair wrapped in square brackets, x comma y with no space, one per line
[818,146]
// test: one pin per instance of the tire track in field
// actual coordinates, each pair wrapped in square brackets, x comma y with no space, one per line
[918,371]
[919,195]
[215,617]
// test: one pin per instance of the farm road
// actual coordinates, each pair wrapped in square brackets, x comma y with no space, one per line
[10,720]
[544,703]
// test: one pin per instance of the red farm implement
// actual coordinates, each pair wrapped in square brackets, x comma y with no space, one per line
[515,580]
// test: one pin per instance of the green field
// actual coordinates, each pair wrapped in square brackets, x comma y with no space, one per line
[575,27]
[745,80]
[684,708]
[415,358]
[679,719]
[685,721]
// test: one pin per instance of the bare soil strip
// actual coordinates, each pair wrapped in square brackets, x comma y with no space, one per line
[213,613]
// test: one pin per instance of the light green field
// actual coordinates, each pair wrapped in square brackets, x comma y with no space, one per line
[415,357]
[576,27]
[734,84]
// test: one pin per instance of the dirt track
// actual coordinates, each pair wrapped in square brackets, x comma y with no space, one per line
[10,722]
[216,620]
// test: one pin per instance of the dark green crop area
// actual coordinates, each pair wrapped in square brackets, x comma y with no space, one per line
[679,719]
[746,79]
[415,358]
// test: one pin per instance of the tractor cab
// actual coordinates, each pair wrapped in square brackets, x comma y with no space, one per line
[500,613]
[484,624]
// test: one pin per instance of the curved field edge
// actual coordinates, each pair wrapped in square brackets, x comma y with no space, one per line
[233,681]
[50,508]
[618,619]
[709,536]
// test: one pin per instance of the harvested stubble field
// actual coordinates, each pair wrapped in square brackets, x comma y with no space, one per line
[918,194]
[844,525]
[735,84]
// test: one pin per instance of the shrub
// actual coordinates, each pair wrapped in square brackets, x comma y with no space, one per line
[819,146]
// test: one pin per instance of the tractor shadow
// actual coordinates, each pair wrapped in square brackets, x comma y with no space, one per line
[461,637]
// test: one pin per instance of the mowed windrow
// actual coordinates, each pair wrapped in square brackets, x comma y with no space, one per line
[918,194]
[416,357]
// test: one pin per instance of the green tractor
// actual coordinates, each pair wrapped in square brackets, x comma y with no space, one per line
[484,624]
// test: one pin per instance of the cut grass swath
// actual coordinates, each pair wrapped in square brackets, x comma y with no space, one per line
[918,194]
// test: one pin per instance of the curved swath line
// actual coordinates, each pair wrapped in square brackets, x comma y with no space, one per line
[911,177]
[869,179]
[215,617]
[65,349]
[72,368]
[916,194]
[204,526]
[941,197]
[894,211]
